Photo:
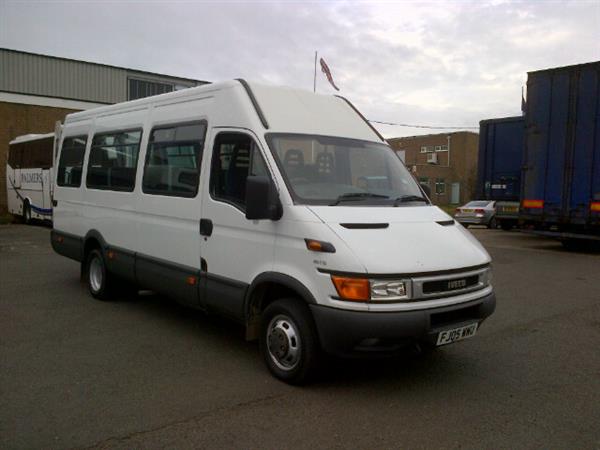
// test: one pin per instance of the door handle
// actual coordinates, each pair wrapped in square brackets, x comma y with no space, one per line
[206,227]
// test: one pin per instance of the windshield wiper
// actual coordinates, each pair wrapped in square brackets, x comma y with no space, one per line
[410,198]
[353,196]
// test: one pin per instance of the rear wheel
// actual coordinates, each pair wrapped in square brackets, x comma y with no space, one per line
[492,224]
[288,341]
[98,278]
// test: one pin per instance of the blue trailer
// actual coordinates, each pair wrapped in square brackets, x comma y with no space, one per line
[501,143]
[560,191]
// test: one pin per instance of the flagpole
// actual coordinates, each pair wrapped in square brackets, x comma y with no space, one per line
[315,78]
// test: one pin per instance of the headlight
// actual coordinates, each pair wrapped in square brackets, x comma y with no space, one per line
[487,276]
[389,290]
[365,290]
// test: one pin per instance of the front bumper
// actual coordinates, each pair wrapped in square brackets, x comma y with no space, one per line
[357,333]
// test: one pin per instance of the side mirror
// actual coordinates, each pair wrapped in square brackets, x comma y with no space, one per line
[427,190]
[262,200]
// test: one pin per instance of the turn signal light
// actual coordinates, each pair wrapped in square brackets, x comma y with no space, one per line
[353,289]
[319,246]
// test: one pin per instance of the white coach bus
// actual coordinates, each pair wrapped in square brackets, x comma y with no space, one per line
[282,209]
[29,176]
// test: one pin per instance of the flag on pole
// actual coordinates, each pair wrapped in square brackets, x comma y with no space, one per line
[327,72]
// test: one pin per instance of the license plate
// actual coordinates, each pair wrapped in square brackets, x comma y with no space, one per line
[456,334]
[510,209]
[467,210]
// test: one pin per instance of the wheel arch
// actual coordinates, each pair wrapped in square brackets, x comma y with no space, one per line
[264,289]
[92,239]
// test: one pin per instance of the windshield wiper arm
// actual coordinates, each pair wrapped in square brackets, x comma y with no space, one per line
[410,198]
[353,196]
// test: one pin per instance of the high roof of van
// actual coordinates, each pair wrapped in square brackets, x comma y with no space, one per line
[274,109]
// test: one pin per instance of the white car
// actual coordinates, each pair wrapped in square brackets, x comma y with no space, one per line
[282,209]
[477,212]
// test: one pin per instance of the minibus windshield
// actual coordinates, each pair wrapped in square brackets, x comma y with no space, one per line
[321,170]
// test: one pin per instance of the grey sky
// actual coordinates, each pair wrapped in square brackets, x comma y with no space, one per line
[440,63]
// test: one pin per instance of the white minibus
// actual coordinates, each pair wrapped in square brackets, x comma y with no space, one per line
[279,208]
[29,176]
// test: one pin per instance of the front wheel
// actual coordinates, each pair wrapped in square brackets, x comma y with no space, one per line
[26,213]
[288,341]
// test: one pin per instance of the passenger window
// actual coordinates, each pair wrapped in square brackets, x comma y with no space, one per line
[15,153]
[71,161]
[113,161]
[235,157]
[173,160]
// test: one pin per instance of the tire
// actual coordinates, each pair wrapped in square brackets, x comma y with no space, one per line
[288,341]
[26,213]
[580,245]
[98,279]
[466,225]
[492,224]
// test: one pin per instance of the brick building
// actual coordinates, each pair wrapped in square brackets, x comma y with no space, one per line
[445,162]
[38,90]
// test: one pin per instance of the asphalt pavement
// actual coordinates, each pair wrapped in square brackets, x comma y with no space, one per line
[144,372]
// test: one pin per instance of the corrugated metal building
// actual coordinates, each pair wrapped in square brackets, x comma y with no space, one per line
[37,90]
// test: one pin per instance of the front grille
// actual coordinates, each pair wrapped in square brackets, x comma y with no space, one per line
[449,285]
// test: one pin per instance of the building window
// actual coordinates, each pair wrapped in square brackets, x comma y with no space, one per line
[424,149]
[443,148]
[438,148]
[113,161]
[71,161]
[143,88]
[440,186]
[173,160]
[424,181]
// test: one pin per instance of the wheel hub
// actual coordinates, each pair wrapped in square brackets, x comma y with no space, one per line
[95,274]
[283,342]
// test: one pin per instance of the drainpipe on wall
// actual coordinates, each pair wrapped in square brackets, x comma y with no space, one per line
[448,150]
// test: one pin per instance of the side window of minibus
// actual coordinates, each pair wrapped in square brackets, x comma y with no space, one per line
[113,160]
[173,160]
[235,157]
[71,161]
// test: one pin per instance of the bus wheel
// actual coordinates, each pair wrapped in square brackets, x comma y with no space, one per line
[98,278]
[289,342]
[26,213]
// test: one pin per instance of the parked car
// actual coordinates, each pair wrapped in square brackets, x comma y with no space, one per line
[477,212]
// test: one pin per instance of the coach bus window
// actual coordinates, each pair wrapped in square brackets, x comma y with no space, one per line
[113,161]
[38,154]
[71,161]
[173,160]
[14,156]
